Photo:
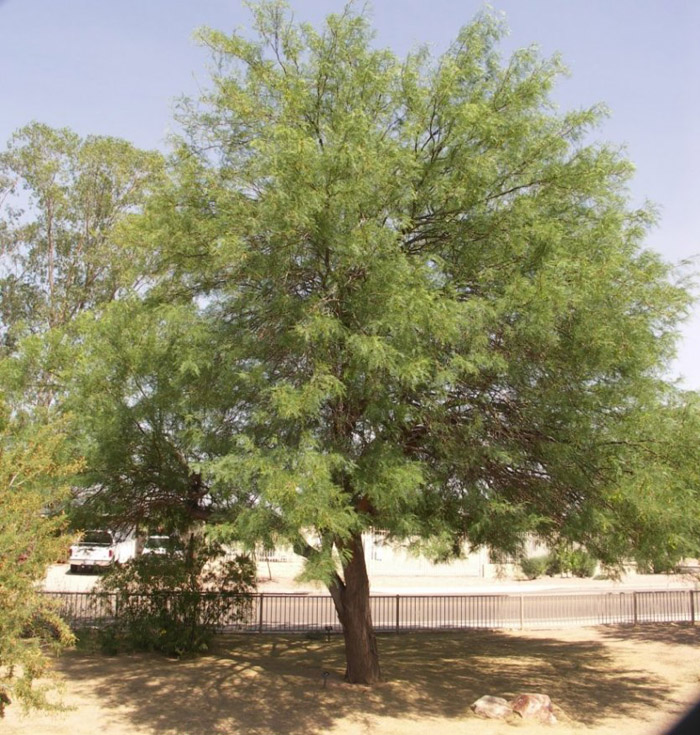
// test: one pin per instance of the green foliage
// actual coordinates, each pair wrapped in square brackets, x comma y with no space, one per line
[64,247]
[406,294]
[145,392]
[33,471]
[556,564]
[581,563]
[389,293]
[577,562]
[174,603]
[437,312]
[662,565]
[534,566]
[66,209]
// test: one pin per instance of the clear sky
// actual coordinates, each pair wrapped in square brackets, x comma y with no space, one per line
[114,68]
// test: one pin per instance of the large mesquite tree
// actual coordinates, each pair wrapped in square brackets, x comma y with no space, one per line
[431,301]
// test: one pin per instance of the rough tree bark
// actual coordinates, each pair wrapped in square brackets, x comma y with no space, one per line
[351,598]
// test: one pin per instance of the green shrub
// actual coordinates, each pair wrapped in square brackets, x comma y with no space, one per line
[175,604]
[556,564]
[566,560]
[34,483]
[534,566]
[581,563]
[661,565]
[562,561]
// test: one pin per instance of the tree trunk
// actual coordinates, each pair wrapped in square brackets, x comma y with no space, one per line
[351,598]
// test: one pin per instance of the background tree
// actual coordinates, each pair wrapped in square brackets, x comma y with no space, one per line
[33,472]
[144,389]
[64,247]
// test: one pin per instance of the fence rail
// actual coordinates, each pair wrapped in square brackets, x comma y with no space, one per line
[268,613]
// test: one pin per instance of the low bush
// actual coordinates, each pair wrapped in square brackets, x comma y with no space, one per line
[581,563]
[534,566]
[577,562]
[175,604]
[556,564]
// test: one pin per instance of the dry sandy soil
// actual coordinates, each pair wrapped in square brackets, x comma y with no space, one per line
[603,681]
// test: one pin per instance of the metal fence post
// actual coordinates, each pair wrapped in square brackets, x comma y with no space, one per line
[398,617]
[522,612]
[691,595]
[260,612]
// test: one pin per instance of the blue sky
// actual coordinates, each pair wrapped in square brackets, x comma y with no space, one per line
[114,68]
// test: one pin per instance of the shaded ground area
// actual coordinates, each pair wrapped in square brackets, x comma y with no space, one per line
[605,680]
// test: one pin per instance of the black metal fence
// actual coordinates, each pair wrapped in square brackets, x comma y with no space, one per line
[267,613]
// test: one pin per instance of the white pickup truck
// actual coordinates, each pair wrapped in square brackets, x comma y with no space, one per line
[100,549]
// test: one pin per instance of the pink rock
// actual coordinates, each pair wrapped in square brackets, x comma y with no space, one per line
[534,707]
[493,707]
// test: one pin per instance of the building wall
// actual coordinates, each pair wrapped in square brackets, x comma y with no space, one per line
[399,559]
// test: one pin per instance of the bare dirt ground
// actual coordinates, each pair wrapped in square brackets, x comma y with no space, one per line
[603,681]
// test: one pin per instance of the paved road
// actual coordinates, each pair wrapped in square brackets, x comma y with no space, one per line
[60,579]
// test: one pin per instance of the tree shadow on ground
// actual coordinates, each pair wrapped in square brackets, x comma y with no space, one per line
[685,634]
[275,684]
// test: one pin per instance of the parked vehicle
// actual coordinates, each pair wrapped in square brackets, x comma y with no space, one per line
[162,546]
[99,549]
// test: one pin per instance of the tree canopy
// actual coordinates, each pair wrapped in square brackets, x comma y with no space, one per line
[145,391]
[431,297]
[65,203]
[64,199]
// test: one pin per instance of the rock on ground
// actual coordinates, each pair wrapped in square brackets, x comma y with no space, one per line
[492,707]
[534,707]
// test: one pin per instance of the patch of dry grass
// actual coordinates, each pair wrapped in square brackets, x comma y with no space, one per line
[606,680]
